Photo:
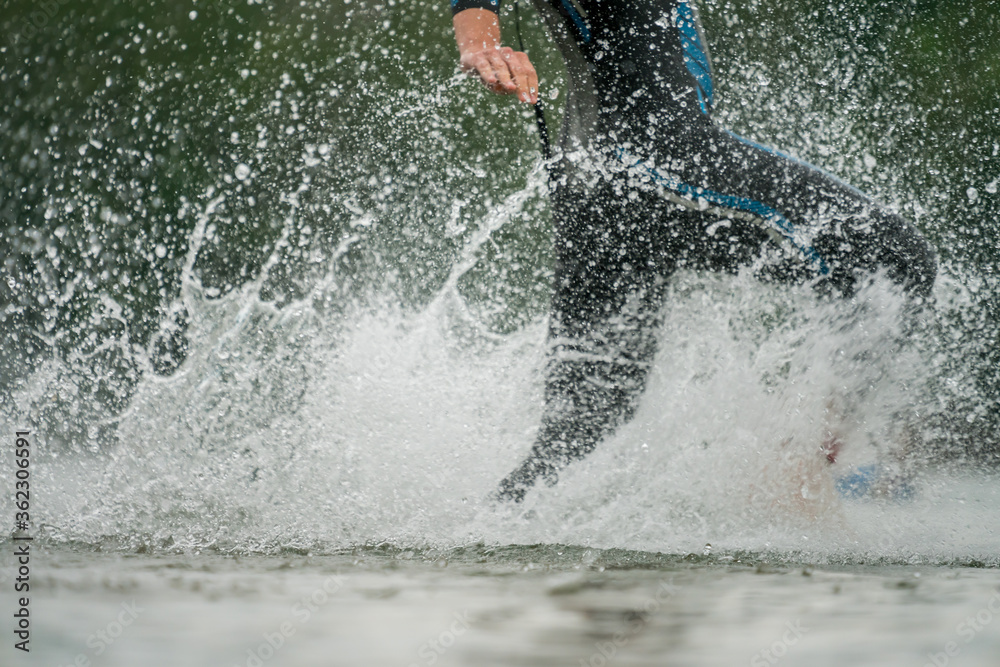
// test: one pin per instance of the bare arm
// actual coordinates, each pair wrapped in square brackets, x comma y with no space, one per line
[501,68]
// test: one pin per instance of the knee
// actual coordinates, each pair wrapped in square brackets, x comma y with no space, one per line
[884,243]
[899,249]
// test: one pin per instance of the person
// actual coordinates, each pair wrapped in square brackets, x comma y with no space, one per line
[644,183]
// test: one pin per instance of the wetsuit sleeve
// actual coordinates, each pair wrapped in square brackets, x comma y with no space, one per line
[460,5]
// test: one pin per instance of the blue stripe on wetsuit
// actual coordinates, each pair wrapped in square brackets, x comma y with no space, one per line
[768,214]
[791,158]
[578,21]
[695,57]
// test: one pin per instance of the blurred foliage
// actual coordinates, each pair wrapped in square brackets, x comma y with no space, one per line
[294,140]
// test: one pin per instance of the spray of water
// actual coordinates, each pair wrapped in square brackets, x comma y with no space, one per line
[298,428]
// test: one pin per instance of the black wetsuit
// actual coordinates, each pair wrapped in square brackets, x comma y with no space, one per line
[646,183]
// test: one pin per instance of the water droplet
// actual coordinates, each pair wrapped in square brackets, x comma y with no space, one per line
[193,15]
[161,251]
[972,194]
[242,171]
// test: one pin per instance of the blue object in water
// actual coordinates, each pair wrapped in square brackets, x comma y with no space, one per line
[874,481]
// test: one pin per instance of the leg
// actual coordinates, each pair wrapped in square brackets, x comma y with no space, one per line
[839,232]
[615,254]
[834,232]
[842,236]
[609,281]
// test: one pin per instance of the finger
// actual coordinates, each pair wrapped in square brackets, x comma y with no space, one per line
[478,62]
[500,60]
[525,77]
[492,72]
[532,83]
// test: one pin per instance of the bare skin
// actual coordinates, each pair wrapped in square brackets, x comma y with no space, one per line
[502,69]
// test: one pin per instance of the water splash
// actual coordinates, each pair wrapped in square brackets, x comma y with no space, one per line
[297,428]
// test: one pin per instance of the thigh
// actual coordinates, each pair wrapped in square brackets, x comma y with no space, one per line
[609,283]
[610,270]
[749,194]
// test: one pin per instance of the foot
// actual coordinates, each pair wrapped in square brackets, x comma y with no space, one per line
[515,485]
[876,480]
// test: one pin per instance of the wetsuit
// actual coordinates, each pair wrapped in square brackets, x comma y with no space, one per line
[645,183]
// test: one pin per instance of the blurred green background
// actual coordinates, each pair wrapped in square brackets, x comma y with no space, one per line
[336,138]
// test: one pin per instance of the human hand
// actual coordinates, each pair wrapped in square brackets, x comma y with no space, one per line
[503,70]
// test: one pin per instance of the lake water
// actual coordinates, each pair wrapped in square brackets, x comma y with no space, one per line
[515,605]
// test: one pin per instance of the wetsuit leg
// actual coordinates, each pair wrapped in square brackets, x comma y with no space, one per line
[833,232]
[610,273]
